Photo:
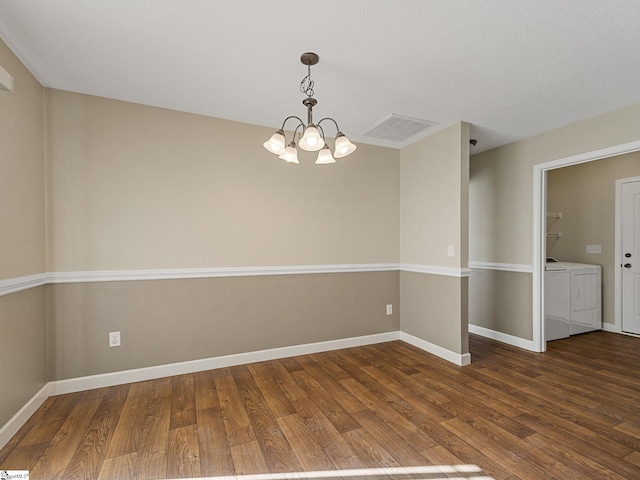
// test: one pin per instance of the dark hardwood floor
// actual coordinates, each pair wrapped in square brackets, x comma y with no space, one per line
[570,413]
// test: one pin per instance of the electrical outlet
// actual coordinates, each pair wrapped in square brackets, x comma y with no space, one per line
[114,339]
[594,249]
[389,309]
[450,251]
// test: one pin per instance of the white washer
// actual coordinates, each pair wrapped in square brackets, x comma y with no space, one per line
[572,299]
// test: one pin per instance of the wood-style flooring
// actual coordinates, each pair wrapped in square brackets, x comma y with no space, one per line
[570,413]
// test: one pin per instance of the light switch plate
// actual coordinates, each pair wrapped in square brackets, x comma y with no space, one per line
[594,249]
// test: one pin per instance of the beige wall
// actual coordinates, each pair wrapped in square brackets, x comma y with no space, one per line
[21,172]
[24,345]
[170,321]
[434,308]
[434,214]
[501,182]
[585,194]
[489,291]
[137,187]
[501,195]
[434,175]
[22,238]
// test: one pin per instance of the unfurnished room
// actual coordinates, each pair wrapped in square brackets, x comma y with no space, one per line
[283,240]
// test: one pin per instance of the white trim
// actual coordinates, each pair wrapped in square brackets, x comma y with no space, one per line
[608,327]
[13,285]
[168,370]
[539,257]
[539,223]
[435,270]
[187,273]
[503,337]
[453,357]
[502,267]
[10,428]
[18,284]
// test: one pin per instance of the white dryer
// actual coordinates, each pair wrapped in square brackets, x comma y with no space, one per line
[572,299]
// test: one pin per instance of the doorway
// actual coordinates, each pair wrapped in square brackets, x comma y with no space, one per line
[539,213]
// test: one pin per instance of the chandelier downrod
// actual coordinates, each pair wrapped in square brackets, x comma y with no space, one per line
[309,103]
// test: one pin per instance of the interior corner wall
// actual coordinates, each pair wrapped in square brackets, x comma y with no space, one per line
[501,214]
[138,188]
[22,237]
[434,214]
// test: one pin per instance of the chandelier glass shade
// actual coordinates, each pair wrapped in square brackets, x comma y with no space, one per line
[276,144]
[312,138]
[290,153]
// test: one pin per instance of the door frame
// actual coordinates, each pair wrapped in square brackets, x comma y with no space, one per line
[539,228]
[618,257]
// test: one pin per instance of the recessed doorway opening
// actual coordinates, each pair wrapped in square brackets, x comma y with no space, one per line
[539,228]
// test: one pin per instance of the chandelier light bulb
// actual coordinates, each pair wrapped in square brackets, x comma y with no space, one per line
[311,140]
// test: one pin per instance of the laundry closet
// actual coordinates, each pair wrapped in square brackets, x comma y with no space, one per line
[581,268]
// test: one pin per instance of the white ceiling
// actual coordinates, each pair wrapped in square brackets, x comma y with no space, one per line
[512,68]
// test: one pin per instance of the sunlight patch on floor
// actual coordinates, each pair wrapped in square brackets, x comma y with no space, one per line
[433,472]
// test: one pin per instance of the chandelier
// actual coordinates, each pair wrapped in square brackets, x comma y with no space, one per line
[311,137]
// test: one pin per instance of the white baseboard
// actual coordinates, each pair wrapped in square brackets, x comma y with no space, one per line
[168,370]
[19,419]
[503,337]
[453,357]
[141,374]
[609,327]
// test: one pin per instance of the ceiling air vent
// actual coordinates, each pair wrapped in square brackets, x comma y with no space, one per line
[398,128]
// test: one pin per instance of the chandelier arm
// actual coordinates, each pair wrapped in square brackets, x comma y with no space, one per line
[289,118]
[329,118]
[320,128]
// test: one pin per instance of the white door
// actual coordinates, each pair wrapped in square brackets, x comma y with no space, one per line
[630,223]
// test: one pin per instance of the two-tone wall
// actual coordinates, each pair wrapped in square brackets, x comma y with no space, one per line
[289,254]
[22,238]
[501,218]
[434,218]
